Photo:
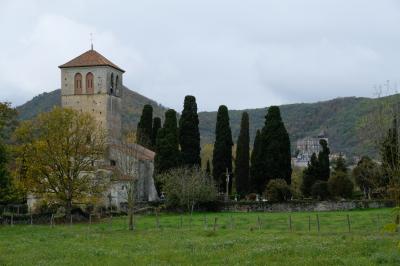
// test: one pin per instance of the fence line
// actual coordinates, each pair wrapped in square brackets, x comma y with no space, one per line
[323,222]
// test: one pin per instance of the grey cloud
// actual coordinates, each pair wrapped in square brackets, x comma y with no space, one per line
[240,53]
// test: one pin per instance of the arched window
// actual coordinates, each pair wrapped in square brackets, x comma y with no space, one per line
[112,84]
[89,83]
[78,83]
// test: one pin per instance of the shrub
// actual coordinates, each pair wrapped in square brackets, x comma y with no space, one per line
[187,187]
[277,190]
[340,185]
[320,190]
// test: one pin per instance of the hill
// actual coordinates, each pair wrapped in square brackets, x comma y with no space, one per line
[338,118]
[132,103]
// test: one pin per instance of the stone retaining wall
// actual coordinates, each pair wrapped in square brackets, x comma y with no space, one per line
[294,206]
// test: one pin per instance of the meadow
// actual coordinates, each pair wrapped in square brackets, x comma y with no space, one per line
[235,239]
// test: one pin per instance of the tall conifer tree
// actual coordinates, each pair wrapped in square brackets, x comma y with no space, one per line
[310,175]
[167,147]
[256,169]
[154,131]
[323,161]
[189,134]
[242,157]
[274,158]
[222,153]
[145,125]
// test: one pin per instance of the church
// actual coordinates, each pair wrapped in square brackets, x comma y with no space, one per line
[91,83]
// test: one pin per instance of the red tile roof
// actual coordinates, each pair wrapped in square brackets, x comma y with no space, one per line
[90,58]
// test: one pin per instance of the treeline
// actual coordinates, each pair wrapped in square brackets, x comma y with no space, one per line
[266,169]
[177,144]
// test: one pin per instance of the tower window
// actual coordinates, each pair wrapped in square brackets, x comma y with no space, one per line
[116,84]
[89,83]
[78,83]
[112,84]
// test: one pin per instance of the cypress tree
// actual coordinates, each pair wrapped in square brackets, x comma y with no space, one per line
[167,147]
[323,161]
[222,153]
[189,134]
[242,157]
[310,174]
[256,169]
[144,128]
[275,150]
[154,131]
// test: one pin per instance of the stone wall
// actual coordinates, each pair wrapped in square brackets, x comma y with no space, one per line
[294,206]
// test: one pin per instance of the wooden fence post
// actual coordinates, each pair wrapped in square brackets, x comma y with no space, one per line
[31,219]
[70,219]
[12,219]
[348,223]
[52,220]
[215,224]
[90,218]
[309,223]
[290,223]
[205,222]
[318,228]
[259,222]
[181,221]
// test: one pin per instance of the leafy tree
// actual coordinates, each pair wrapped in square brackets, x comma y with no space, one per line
[275,151]
[368,176]
[222,154]
[277,190]
[8,121]
[6,184]
[144,128]
[60,150]
[156,127]
[242,163]
[339,183]
[323,161]
[256,168]
[167,148]
[309,176]
[187,187]
[189,135]
[320,190]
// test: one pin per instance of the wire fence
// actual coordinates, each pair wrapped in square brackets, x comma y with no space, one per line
[320,222]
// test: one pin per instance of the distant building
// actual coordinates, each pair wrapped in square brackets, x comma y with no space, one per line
[306,147]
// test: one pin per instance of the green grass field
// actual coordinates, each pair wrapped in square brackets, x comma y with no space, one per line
[239,239]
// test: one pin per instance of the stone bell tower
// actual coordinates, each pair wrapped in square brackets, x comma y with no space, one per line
[91,83]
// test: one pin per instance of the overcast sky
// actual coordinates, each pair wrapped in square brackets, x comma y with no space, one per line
[243,54]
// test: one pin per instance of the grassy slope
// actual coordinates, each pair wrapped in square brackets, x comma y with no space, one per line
[102,244]
[339,118]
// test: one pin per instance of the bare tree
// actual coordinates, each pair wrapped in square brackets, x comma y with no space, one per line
[128,168]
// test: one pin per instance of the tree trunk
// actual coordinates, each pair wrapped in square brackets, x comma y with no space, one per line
[68,209]
[130,218]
